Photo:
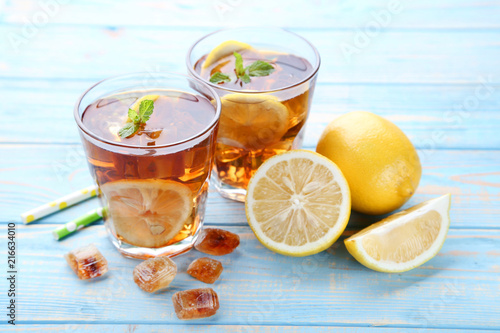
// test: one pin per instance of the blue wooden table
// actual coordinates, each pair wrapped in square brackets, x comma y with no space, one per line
[431,67]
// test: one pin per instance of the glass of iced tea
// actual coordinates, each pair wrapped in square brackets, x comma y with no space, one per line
[149,139]
[265,78]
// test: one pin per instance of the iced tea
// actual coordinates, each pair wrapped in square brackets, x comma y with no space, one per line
[261,117]
[154,182]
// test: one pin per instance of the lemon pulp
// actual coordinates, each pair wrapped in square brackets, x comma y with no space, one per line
[404,240]
[298,203]
[148,213]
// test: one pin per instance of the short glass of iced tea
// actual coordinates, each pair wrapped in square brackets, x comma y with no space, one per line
[265,78]
[149,139]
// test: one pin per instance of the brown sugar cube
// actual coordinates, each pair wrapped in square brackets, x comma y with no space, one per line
[216,242]
[155,274]
[195,303]
[205,269]
[87,262]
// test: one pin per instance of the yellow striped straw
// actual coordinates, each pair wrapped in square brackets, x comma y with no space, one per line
[59,204]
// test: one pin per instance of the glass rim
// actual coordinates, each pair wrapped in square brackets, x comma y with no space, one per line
[208,128]
[306,79]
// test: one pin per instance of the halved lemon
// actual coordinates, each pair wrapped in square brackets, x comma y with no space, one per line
[224,49]
[298,203]
[150,212]
[252,121]
[404,240]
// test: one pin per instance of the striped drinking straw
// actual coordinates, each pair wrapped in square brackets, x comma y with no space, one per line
[78,223]
[59,204]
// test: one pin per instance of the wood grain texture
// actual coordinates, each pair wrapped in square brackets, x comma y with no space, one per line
[458,288]
[390,57]
[433,117]
[189,327]
[36,174]
[426,14]
[433,69]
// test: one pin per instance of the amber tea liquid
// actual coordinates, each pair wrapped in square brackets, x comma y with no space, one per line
[259,119]
[155,194]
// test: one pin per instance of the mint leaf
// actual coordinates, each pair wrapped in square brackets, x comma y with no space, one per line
[238,64]
[245,78]
[219,77]
[146,110]
[133,115]
[128,130]
[257,68]
[260,68]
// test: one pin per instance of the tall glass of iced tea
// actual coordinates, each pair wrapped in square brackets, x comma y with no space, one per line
[265,78]
[149,139]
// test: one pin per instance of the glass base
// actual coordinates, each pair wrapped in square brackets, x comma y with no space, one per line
[228,191]
[238,193]
[132,251]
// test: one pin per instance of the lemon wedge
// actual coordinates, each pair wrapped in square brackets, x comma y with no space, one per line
[150,212]
[222,50]
[298,203]
[252,121]
[404,240]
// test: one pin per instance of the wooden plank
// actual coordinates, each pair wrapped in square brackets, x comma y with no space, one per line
[390,57]
[442,116]
[327,14]
[459,288]
[36,174]
[429,59]
[193,327]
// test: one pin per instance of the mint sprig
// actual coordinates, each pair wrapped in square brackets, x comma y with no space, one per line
[238,64]
[257,68]
[137,119]
[128,130]
[218,77]
[260,68]
[146,110]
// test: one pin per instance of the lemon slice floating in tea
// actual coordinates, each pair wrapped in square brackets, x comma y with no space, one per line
[404,240]
[252,121]
[222,50]
[148,213]
[298,203]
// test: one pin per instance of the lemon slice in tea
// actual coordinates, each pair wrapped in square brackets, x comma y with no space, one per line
[404,240]
[298,203]
[252,121]
[148,213]
[224,49]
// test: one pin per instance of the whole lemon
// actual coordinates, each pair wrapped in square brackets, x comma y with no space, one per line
[378,160]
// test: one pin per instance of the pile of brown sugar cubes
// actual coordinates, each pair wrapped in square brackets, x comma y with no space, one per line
[157,273]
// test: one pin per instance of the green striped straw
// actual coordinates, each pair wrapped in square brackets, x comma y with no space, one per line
[59,204]
[78,223]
